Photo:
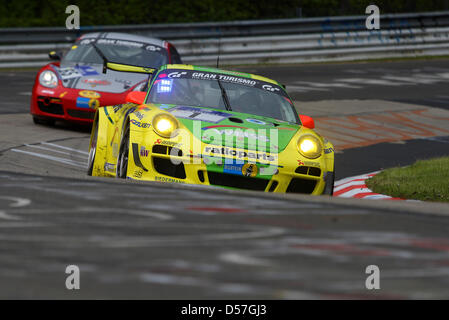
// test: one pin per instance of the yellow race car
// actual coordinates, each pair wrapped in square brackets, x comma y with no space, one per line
[206,126]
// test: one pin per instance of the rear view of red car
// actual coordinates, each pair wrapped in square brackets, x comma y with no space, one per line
[73,87]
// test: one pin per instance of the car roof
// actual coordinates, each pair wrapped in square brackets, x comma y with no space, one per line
[124,36]
[221,71]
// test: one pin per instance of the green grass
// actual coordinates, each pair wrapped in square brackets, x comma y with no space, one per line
[426,180]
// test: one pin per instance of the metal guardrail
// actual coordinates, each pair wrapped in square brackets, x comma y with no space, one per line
[264,41]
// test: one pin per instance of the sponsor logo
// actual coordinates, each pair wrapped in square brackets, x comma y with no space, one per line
[140,124]
[109,167]
[138,174]
[96,82]
[48,91]
[176,74]
[328,150]
[240,154]
[269,88]
[167,143]
[164,179]
[222,77]
[63,94]
[144,152]
[249,170]
[139,115]
[89,94]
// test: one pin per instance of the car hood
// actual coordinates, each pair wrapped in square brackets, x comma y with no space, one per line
[221,127]
[91,77]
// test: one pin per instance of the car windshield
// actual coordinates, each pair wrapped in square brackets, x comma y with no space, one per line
[118,51]
[246,95]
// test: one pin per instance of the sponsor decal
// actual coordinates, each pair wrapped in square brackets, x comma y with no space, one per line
[115,150]
[164,179]
[268,171]
[140,124]
[118,107]
[240,154]
[309,163]
[76,72]
[47,91]
[139,115]
[223,77]
[328,150]
[94,103]
[96,82]
[144,152]
[82,102]
[249,170]
[200,114]
[168,143]
[109,167]
[89,94]
[270,88]
[232,169]
[176,74]
[312,164]
[138,174]
[63,94]
[256,121]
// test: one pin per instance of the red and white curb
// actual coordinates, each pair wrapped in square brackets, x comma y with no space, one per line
[355,187]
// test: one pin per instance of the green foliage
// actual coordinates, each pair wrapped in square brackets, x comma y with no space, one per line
[40,13]
[426,180]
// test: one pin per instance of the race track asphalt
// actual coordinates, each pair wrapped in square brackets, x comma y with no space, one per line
[163,241]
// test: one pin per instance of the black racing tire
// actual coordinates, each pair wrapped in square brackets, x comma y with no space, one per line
[330,180]
[43,121]
[92,150]
[123,155]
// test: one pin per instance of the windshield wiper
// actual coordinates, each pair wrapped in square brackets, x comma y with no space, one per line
[224,96]
[105,60]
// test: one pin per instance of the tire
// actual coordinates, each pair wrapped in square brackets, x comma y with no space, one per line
[92,151]
[330,180]
[43,121]
[123,155]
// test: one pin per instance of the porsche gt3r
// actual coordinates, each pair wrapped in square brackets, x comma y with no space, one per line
[198,125]
[73,88]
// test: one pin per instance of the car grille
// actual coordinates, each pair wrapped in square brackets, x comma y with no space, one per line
[50,105]
[168,168]
[234,181]
[311,171]
[81,114]
[298,185]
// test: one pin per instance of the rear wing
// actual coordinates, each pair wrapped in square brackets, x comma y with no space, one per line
[127,68]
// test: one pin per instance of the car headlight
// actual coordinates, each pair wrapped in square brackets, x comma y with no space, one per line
[309,146]
[48,79]
[165,125]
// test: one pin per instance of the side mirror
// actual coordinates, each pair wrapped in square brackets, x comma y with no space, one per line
[53,55]
[136,97]
[307,121]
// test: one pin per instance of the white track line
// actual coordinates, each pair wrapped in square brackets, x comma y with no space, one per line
[65,148]
[53,158]
[56,151]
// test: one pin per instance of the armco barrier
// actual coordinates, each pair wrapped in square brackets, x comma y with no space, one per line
[249,42]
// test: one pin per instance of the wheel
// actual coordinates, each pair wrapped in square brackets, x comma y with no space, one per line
[329,188]
[92,150]
[122,159]
[43,121]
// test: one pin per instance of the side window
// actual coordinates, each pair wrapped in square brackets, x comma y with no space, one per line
[175,57]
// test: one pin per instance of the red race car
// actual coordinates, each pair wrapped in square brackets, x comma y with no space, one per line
[81,81]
